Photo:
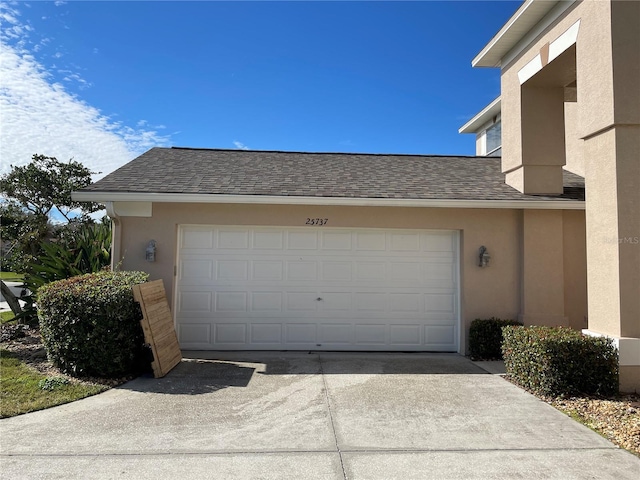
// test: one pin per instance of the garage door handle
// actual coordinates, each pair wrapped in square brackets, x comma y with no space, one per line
[318,299]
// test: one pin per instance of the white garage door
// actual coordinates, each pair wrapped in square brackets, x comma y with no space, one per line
[317,288]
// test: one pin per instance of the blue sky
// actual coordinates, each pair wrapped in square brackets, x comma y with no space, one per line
[104,81]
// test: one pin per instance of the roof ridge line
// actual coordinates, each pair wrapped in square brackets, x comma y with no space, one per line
[327,153]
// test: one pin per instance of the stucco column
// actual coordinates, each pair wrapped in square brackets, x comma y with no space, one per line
[542,146]
[613,244]
[610,127]
[542,288]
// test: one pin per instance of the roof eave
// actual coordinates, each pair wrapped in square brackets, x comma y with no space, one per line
[484,116]
[520,23]
[542,204]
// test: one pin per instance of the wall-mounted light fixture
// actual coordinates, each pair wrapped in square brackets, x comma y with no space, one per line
[150,252]
[483,256]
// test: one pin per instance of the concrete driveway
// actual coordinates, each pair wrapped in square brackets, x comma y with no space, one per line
[311,416]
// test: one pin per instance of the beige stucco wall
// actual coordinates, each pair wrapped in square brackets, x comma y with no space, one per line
[485,292]
[594,73]
[574,144]
[543,283]
[594,97]
[575,269]
[629,378]
[602,139]
[603,128]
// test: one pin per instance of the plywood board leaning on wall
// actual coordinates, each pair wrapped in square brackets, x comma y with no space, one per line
[157,325]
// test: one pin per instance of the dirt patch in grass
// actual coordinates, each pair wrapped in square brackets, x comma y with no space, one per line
[30,382]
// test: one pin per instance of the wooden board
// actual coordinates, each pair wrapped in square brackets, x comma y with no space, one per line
[157,324]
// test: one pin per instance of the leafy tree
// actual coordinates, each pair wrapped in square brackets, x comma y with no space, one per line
[45,185]
[32,194]
[21,233]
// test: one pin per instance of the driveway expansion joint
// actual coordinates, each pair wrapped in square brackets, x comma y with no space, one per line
[333,426]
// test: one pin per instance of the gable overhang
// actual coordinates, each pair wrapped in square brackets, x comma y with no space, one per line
[486,115]
[150,198]
[530,20]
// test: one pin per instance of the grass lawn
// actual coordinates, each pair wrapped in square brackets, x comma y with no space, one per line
[6,317]
[23,389]
[11,276]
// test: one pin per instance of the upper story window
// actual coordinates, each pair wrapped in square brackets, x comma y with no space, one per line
[494,140]
[487,128]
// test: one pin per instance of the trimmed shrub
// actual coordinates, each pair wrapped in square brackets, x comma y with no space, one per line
[559,361]
[90,324]
[485,338]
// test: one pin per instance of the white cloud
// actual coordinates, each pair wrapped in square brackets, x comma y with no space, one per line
[240,145]
[41,116]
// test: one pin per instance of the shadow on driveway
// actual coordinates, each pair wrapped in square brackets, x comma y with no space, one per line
[194,377]
[203,372]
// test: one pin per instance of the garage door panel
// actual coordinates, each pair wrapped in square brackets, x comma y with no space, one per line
[297,288]
[233,239]
[408,242]
[193,333]
[301,333]
[266,301]
[230,333]
[306,301]
[196,269]
[370,302]
[196,238]
[439,335]
[406,271]
[301,270]
[335,333]
[439,242]
[371,242]
[266,333]
[368,271]
[231,302]
[268,240]
[335,302]
[336,241]
[194,302]
[406,302]
[405,335]
[232,270]
[297,240]
[371,334]
[267,270]
[439,275]
[445,303]
[336,271]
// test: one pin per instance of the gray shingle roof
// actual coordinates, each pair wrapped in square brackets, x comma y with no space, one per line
[346,175]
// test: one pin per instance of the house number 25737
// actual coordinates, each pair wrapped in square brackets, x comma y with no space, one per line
[317,221]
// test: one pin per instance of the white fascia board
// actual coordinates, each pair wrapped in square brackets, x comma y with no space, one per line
[103,197]
[519,27]
[483,117]
[536,31]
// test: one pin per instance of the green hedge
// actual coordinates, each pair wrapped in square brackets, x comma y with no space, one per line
[485,338]
[560,361]
[90,324]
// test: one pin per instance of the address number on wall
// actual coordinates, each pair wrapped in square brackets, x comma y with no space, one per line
[317,221]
